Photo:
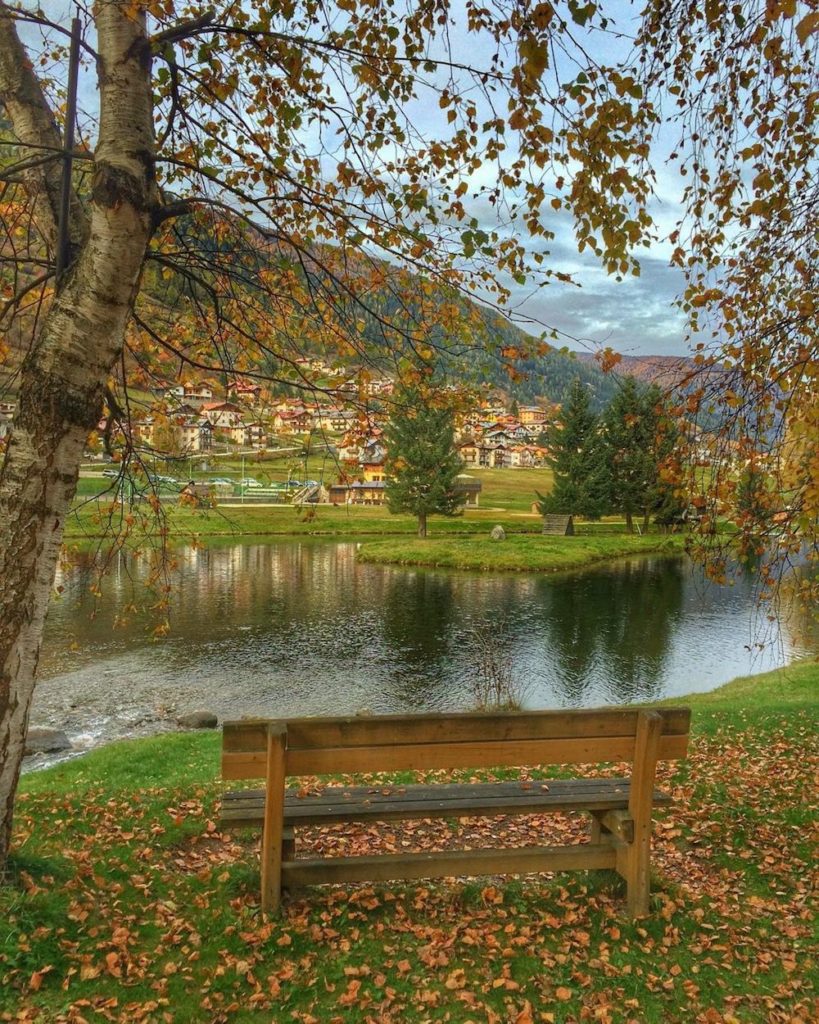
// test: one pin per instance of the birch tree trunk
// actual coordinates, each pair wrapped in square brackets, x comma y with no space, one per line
[81,337]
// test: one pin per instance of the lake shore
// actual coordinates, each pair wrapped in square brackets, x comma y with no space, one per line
[119,872]
[517,553]
[459,542]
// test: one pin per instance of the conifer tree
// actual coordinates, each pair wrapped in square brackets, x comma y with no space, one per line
[640,438]
[581,479]
[628,451]
[422,465]
[667,499]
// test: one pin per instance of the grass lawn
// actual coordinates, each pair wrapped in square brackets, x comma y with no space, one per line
[185,523]
[506,499]
[90,485]
[125,903]
[516,553]
[512,489]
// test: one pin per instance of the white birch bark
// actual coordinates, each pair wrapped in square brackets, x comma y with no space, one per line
[80,339]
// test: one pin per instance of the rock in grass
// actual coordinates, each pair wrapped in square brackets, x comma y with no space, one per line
[46,741]
[198,720]
[498,533]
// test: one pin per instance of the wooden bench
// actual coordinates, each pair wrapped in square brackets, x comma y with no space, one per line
[620,808]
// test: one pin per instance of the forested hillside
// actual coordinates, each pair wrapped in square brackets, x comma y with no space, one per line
[471,344]
[664,371]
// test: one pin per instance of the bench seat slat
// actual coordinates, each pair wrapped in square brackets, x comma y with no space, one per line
[341,803]
[450,864]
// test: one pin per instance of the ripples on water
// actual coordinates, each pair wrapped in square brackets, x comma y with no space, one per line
[300,628]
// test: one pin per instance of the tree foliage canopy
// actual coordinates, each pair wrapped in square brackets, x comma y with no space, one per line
[249,177]
[324,150]
[624,461]
[639,440]
[739,85]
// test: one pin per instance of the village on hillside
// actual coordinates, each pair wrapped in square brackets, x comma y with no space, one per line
[196,425]
[187,421]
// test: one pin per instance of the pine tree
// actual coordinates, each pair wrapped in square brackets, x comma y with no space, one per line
[667,501]
[640,437]
[581,479]
[422,465]
[627,451]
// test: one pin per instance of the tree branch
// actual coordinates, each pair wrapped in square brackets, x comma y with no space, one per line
[15,300]
[167,211]
[182,30]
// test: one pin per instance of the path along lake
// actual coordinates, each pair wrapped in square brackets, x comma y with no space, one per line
[300,627]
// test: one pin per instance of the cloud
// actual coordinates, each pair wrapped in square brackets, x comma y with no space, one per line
[635,316]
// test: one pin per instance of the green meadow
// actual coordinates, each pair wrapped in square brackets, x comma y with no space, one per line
[126,903]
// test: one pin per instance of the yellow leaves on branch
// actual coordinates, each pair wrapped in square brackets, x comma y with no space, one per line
[534,58]
[807,26]
[706,298]
[607,359]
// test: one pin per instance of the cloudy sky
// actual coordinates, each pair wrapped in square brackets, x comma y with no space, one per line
[635,316]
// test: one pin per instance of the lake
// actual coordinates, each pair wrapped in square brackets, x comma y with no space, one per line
[299,627]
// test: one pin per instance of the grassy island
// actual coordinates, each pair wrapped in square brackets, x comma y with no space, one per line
[517,553]
[125,903]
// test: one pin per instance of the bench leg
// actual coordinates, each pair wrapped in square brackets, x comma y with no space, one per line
[289,844]
[634,858]
[288,847]
[273,829]
[634,864]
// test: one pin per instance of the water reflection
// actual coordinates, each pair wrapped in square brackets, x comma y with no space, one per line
[300,627]
[616,622]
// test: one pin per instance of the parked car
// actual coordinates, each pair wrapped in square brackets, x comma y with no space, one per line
[249,481]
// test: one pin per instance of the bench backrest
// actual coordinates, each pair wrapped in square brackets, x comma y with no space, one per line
[321,746]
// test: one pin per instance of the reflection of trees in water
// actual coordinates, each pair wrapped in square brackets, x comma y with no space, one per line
[417,613]
[618,621]
[428,616]
[566,616]
[797,610]
[417,617]
[493,636]
[649,596]
[219,587]
[309,609]
[93,610]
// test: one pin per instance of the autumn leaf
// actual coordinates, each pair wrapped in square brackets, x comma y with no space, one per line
[807,26]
